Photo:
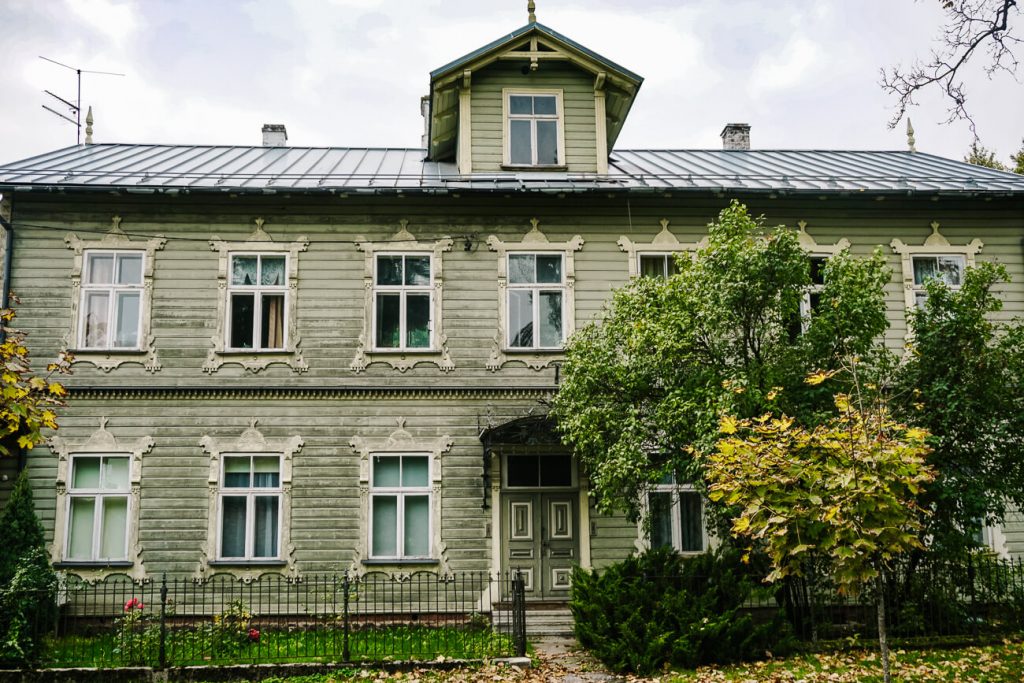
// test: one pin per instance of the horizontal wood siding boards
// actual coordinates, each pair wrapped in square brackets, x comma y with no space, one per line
[1013,532]
[615,538]
[577,105]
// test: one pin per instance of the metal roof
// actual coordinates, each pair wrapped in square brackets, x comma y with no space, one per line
[210,168]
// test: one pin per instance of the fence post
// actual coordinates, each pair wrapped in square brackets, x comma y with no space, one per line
[345,654]
[519,613]
[163,621]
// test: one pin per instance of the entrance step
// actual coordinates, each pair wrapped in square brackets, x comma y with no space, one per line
[544,621]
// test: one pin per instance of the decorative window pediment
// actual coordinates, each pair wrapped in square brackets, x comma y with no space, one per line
[257,287]
[403,283]
[935,259]
[819,254]
[536,307]
[112,299]
[645,257]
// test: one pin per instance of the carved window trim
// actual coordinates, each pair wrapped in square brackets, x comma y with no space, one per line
[115,240]
[935,244]
[401,442]
[676,490]
[100,442]
[250,442]
[220,354]
[402,360]
[814,250]
[664,243]
[533,241]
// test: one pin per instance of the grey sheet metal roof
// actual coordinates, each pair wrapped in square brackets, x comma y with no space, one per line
[195,168]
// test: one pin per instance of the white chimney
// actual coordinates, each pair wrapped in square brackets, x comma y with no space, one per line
[736,136]
[274,135]
[425,112]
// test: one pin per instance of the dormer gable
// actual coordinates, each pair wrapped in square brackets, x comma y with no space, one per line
[533,100]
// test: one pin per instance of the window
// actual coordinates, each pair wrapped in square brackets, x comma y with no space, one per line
[535,296]
[257,294]
[676,517]
[812,297]
[948,269]
[533,129]
[98,509]
[657,265]
[403,301]
[111,294]
[400,509]
[250,507]
[538,470]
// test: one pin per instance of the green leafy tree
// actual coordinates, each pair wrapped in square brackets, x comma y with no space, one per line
[649,380]
[964,382]
[1018,160]
[842,494]
[979,155]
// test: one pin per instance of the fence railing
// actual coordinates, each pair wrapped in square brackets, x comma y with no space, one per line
[372,617]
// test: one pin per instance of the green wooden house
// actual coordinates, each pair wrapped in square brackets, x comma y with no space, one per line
[301,360]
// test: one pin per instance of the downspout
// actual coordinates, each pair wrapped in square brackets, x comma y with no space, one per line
[5,299]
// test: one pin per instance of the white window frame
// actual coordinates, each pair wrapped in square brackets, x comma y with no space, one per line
[401,492]
[667,258]
[112,290]
[813,250]
[665,243]
[806,308]
[257,291]
[921,288]
[507,117]
[249,493]
[537,288]
[99,495]
[935,244]
[403,290]
[676,490]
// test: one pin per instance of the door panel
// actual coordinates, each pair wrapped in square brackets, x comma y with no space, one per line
[541,539]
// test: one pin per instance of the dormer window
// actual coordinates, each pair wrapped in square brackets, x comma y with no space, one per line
[533,128]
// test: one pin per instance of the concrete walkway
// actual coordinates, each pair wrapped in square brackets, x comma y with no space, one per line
[563,661]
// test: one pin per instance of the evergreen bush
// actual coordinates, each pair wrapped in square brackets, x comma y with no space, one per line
[28,609]
[20,530]
[659,609]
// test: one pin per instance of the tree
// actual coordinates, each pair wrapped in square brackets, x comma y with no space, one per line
[20,530]
[981,156]
[843,492]
[1018,160]
[971,27]
[649,380]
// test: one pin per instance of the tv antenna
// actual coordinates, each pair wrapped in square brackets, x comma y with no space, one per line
[74,107]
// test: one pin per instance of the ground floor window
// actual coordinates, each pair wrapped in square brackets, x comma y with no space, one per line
[250,507]
[98,508]
[400,507]
[676,517]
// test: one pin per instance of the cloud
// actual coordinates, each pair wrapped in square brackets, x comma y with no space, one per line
[795,64]
[117,21]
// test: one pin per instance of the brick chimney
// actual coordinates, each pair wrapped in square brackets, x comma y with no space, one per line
[736,136]
[274,135]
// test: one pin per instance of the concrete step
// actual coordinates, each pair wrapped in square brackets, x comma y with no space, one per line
[545,622]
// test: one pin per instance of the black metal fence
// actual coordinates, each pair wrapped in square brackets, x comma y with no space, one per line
[373,617]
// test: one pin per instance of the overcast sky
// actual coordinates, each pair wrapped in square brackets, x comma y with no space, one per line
[803,73]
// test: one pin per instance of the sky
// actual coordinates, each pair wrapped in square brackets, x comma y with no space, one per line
[803,73]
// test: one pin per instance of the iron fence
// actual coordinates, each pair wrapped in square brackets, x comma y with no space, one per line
[372,617]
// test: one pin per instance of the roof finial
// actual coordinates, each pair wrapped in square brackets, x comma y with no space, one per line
[88,127]
[531,7]
[910,136]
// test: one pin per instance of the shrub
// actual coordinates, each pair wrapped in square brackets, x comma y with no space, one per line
[20,529]
[660,609]
[28,609]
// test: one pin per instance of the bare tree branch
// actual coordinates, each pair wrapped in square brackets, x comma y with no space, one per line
[972,28]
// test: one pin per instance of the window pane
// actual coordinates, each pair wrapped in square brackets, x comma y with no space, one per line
[417,270]
[389,270]
[519,147]
[115,474]
[671,266]
[129,269]
[550,318]
[243,270]
[242,311]
[101,269]
[232,543]
[652,266]
[521,269]
[547,142]
[549,268]
[520,318]
[80,528]
[951,270]
[691,525]
[386,471]
[520,104]
[264,543]
[86,474]
[661,519]
[814,301]
[114,525]
[388,334]
[96,311]
[545,105]
[556,470]
[920,298]
[385,526]
[272,271]
[417,526]
[523,470]
[924,269]
[272,322]
[415,471]
[417,321]
[266,471]
[236,472]
[818,270]
[126,324]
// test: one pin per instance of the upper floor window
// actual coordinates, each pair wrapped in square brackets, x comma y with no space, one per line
[536,291]
[250,507]
[533,128]
[400,507]
[676,517]
[936,259]
[97,518]
[111,308]
[657,265]
[257,294]
[947,268]
[812,296]
[403,301]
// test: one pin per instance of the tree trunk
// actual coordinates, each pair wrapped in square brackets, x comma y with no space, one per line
[883,644]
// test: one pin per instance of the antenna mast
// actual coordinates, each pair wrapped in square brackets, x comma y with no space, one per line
[75,107]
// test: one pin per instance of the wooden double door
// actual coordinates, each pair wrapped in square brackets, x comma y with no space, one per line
[540,537]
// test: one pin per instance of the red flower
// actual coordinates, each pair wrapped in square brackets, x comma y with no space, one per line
[254,635]
[134,603]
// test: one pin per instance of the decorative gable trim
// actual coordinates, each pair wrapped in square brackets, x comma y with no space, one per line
[935,244]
